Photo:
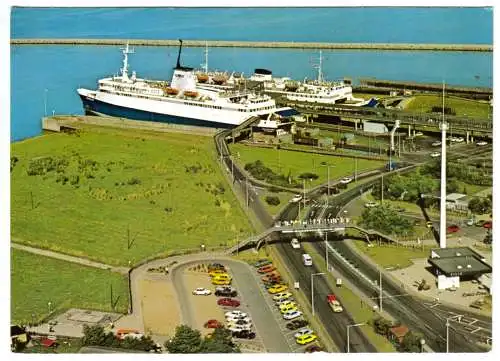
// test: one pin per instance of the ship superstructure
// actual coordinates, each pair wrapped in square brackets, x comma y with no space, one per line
[182,101]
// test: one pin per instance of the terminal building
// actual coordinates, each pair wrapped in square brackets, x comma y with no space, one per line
[452,265]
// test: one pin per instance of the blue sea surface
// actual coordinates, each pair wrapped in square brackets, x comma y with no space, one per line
[44,78]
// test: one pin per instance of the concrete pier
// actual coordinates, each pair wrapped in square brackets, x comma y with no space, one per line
[260,44]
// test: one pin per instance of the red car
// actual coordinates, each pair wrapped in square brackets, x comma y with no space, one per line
[213,324]
[452,229]
[267,269]
[228,302]
[487,224]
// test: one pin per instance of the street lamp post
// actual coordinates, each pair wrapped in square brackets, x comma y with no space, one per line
[328,182]
[45,101]
[50,309]
[326,251]
[348,340]
[459,317]
[312,289]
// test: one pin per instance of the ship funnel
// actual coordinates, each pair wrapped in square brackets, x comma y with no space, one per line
[179,55]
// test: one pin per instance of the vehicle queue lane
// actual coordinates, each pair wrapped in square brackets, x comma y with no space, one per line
[334,323]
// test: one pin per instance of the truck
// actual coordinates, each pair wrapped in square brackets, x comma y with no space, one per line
[334,303]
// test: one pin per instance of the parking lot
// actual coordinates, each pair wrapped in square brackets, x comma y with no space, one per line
[196,310]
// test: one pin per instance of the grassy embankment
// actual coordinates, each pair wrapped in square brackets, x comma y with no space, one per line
[461,106]
[296,163]
[147,194]
[37,280]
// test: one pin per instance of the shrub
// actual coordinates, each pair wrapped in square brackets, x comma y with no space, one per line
[308,175]
[134,180]
[273,200]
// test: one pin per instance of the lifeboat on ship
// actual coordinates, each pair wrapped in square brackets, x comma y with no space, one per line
[219,79]
[291,85]
[190,93]
[202,77]
[170,91]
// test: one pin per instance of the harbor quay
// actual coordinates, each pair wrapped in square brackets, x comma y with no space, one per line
[260,44]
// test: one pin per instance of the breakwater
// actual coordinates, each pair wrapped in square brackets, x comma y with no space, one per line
[261,44]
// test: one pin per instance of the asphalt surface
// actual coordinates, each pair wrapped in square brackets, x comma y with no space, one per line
[334,323]
[253,301]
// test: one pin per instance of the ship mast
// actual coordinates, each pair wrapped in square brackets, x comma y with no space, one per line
[124,70]
[320,67]
[205,65]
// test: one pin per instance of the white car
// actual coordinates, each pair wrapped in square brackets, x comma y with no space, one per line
[235,313]
[482,143]
[290,315]
[282,295]
[238,328]
[459,139]
[295,243]
[419,134]
[436,144]
[303,332]
[346,180]
[234,319]
[371,204]
[296,198]
[200,291]
[435,154]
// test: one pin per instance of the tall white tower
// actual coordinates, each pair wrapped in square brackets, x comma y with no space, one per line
[442,218]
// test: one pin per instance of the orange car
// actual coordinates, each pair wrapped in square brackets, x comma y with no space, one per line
[266,269]
[272,277]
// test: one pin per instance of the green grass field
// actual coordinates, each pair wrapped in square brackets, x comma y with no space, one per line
[298,162]
[148,194]
[37,280]
[461,106]
[392,256]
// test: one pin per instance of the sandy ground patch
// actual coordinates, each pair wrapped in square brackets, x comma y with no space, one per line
[159,307]
[203,307]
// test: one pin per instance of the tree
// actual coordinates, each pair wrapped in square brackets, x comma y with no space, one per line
[382,326]
[185,340]
[489,238]
[273,200]
[220,341]
[480,205]
[411,342]
[94,336]
[386,220]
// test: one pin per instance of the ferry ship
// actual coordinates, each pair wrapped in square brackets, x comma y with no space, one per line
[180,102]
[312,91]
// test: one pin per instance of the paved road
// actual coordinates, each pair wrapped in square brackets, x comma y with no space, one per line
[72,259]
[251,295]
[334,323]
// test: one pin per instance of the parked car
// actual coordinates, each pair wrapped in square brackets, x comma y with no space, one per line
[266,269]
[200,291]
[470,222]
[216,272]
[287,307]
[291,315]
[487,225]
[482,143]
[226,291]
[282,295]
[436,144]
[435,154]
[235,313]
[221,282]
[459,139]
[277,289]
[281,301]
[239,328]
[213,324]
[228,302]
[346,180]
[296,198]
[245,322]
[242,320]
[305,339]
[296,324]
[313,348]
[271,278]
[452,229]
[244,334]
[480,223]
[429,224]
[216,266]
[262,262]
[419,134]
[303,331]
[295,243]
[371,204]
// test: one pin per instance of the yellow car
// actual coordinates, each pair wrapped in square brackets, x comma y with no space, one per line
[221,282]
[277,289]
[288,307]
[305,339]
[282,296]
[222,276]
[216,272]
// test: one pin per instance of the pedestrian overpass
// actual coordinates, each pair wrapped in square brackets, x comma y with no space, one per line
[336,225]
